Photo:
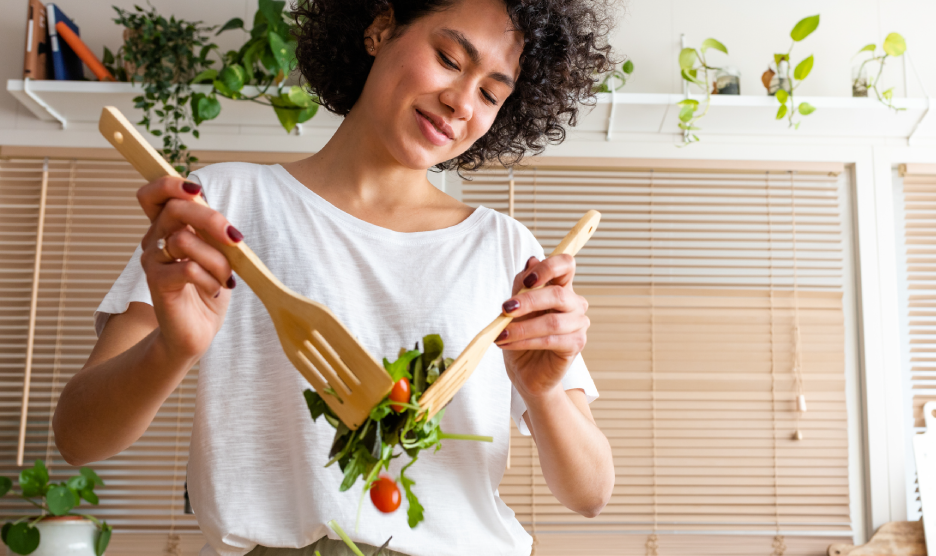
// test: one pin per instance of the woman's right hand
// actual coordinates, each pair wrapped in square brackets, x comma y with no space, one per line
[191,286]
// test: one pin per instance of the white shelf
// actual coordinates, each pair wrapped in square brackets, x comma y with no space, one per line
[79,104]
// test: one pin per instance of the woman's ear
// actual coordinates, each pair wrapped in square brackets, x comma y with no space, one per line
[379,31]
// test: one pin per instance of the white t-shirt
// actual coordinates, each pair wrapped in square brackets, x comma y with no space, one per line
[255,471]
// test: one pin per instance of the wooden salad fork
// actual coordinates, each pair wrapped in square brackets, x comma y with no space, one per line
[324,351]
[444,389]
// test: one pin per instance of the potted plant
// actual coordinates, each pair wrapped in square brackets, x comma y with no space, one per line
[168,56]
[894,46]
[784,96]
[694,69]
[56,531]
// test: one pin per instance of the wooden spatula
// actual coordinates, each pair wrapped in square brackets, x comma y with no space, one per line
[340,369]
[442,390]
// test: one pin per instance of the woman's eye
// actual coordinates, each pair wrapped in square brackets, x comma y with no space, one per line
[446,61]
[488,97]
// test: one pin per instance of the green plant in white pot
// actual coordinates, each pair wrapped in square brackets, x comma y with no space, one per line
[71,536]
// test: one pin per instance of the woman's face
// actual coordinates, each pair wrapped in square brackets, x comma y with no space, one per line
[437,86]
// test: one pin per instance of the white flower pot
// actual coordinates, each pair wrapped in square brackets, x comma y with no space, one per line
[65,535]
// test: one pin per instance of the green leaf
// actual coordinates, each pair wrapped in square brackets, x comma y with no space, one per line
[91,476]
[400,368]
[29,484]
[894,44]
[288,117]
[100,544]
[207,75]
[284,52]
[77,483]
[307,114]
[234,77]
[356,467]
[690,77]
[60,500]
[42,474]
[777,58]
[689,127]
[803,68]
[5,485]
[234,23]
[888,94]
[686,112]
[687,58]
[688,102]
[806,109]
[712,43]
[867,48]
[628,67]
[299,97]
[782,111]
[208,108]
[414,510]
[782,96]
[4,530]
[317,405]
[805,27]
[223,89]
[88,494]
[22,538]
[273,14]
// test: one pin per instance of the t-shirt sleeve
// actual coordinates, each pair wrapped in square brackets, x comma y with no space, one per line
[130,286]
[577,375]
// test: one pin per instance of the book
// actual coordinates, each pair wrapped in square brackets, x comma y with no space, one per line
[83,52]
[65,63]
[37,64]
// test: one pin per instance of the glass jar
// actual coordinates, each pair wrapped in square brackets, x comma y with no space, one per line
[779,80]
[860,80]
[728,81]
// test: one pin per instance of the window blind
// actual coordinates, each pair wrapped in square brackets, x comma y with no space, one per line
[715,301]
[918,302]
[92,224]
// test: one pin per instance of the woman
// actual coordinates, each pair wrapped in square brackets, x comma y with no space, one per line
[357,226]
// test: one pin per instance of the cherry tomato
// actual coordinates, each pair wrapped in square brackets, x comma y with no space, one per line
[385,494]
[400,393]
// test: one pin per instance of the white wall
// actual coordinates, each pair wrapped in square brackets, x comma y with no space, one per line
[648,32]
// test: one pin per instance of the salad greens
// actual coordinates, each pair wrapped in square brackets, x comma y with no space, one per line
[370,448]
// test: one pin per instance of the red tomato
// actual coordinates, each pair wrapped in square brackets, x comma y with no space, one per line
[400,393]
[385,494]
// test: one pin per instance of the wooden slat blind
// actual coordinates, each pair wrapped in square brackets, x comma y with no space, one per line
[715,299]
[92,225]
[919,300]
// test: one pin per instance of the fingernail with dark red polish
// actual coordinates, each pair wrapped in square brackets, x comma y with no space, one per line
[191,188]
[234,234]
[530,280]
[511,305]
[217,294]
[501,336]
[231,283]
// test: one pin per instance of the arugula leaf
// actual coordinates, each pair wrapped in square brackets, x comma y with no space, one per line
[317,405]
[414,510]
[400,368]
[356,467]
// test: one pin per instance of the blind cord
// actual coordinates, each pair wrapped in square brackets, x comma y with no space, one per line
[779,547]
[60,319]
[797,339]
[653,541]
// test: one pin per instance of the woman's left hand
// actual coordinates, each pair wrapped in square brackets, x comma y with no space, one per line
[548,329]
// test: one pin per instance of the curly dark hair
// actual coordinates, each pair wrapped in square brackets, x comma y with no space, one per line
[565,46]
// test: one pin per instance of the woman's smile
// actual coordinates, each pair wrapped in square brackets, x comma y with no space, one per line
[434,129]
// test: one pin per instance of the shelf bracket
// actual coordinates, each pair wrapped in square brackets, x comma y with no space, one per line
[43,104]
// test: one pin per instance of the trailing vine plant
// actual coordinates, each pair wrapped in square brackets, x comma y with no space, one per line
[265,61]
[163,55]
[788,106]
[894,45]
[692,62]
[607,84]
